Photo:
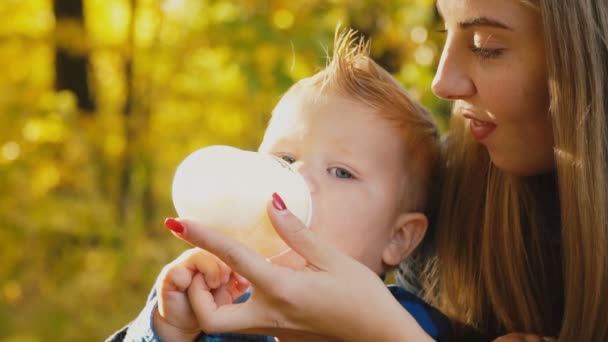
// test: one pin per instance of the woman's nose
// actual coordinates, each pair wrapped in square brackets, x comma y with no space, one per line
[452,80]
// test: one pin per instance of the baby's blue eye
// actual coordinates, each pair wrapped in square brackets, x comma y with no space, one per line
[339,172]
[289,159]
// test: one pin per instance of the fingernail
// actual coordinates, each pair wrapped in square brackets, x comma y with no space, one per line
[240,278]
[277,202]
[174,225]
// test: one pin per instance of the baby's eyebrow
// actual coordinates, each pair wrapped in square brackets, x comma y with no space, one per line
[483,21]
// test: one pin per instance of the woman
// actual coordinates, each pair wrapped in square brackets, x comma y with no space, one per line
[521,248]
[546,143]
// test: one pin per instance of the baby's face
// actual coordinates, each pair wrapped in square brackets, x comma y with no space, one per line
[353,162]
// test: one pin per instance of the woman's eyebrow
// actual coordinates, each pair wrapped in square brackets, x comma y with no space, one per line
[483,21]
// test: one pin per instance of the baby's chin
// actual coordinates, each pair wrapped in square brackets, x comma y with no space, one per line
[289,259]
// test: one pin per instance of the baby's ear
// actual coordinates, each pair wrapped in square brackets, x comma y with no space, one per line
[408,232]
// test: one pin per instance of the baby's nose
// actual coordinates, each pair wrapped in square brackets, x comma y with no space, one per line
[307,172]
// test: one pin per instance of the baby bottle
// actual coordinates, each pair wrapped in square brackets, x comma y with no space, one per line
[227,189]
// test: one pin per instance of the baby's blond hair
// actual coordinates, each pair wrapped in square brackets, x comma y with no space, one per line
[352,73]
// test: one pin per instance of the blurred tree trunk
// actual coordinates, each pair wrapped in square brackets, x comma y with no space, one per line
[124,202]
[71,66]
[126,172]
[137,155]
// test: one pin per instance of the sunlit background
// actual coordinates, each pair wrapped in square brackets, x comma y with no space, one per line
[101,99]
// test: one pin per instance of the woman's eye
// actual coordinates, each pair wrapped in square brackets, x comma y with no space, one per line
[339,172]
[485,53]
[289,159]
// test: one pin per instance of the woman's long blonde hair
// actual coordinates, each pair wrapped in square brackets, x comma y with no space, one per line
[515,254]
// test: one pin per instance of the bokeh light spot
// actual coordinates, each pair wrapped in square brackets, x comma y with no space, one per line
[424,55]
[45,178]
[419,34]
[32,131]
[283,19]
[12,292]
[11,151]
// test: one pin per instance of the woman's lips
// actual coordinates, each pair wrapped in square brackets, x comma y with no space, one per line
[480,129]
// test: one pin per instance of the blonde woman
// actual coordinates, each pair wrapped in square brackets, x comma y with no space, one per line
[521,250]
[528,137]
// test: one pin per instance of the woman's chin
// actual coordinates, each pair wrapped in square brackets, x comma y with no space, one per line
[523,167]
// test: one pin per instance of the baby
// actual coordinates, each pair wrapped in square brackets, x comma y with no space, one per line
[368,153]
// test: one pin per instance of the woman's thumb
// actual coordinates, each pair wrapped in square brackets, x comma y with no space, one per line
[297,236]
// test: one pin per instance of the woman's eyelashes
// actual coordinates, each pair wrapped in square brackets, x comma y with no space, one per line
[479,46]
[486,53]
[480,51]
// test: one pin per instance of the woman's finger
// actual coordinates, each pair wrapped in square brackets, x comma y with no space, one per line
[301,239]
[236,255]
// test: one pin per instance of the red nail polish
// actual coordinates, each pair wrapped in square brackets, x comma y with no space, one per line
[174,225]
[277,202]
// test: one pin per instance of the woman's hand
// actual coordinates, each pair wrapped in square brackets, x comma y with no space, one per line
[174,319]
[519,337]
[333,295]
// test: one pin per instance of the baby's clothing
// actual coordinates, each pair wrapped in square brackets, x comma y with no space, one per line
[141,329]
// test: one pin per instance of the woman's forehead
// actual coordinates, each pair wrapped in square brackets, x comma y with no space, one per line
[506,14]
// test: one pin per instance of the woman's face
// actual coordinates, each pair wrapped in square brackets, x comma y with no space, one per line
[493,65]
